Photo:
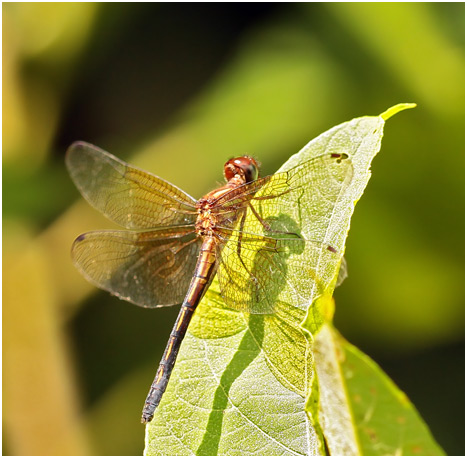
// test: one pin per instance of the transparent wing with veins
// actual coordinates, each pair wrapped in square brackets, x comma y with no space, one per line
[149,268]
[280,249]
[131,197]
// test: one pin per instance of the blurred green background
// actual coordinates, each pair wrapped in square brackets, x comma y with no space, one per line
[177,89]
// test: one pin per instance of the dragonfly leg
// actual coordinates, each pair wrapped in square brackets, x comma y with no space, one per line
[253,279]
[267,226]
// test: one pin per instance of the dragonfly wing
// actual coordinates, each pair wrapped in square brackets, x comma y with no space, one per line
[306,195]
[257,272]
[281,250]
[148,268]
[302,198]
[129,196]
[343,274]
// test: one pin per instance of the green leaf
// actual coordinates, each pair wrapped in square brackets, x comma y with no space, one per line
[383,420]
[245,384]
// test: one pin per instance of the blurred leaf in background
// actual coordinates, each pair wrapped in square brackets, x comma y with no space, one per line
[182,88]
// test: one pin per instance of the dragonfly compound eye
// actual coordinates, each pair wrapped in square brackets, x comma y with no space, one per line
[244,165]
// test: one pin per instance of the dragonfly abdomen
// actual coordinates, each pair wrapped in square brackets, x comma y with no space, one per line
[204,273]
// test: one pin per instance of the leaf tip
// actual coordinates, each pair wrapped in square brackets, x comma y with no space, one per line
[395,109]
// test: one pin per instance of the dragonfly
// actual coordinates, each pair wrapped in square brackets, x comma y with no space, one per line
[255,233]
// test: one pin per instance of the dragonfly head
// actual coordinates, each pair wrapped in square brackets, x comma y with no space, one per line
[244,166]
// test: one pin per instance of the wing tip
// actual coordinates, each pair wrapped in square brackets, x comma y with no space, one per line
[76,146]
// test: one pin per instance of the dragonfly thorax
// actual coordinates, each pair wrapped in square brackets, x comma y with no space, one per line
[206,220]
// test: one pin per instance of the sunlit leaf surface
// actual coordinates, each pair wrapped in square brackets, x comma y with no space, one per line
[242,381]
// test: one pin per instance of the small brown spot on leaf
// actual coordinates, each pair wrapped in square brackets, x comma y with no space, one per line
[401,420]
[357,398]
[371,434]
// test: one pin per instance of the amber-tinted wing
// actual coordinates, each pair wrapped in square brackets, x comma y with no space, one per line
[133,198]
[281,249]
[148,268]
[267,270]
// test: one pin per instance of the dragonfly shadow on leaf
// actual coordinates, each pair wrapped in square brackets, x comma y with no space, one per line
[262,271]
[270,266]
[253,268]
[224,402]
[268,277]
